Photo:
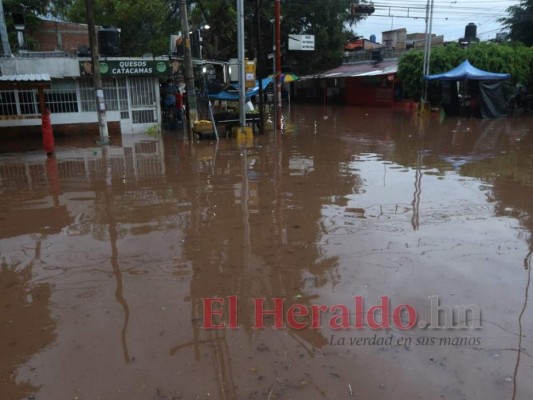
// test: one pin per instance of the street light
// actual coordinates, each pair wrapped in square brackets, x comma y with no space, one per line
[205,93]
[204,72]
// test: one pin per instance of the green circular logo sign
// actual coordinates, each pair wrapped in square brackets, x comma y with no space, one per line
[104,68]
[161,66]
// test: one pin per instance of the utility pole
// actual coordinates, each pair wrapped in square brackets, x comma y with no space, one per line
[427,46]
[240,53]
[97,78]
[277,57]
[259,65]
[189,72]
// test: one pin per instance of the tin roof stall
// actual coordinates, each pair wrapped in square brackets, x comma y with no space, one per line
[368,83]
[487,89]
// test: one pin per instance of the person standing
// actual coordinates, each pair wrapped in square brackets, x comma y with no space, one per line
[170,98]
[179,106]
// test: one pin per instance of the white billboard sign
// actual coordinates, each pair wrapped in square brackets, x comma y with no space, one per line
[302,42]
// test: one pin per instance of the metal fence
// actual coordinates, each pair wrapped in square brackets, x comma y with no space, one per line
[115,94]
[72,96]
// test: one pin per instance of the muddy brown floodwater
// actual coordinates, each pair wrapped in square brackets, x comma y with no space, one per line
[110,260]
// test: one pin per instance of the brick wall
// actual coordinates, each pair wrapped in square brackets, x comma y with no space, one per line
[64,36]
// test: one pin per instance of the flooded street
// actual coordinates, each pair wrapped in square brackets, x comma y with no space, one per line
[112,262]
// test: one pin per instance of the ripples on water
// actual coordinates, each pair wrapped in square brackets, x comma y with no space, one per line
[113,249]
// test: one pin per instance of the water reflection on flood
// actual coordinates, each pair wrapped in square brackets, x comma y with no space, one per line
[106,255]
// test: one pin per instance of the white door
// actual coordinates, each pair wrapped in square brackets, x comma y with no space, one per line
[143,99]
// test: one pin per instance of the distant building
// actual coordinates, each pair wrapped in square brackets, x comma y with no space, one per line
[502,37]
[418,40]
[394,43]
[399,39]
[360,44]
[395,39]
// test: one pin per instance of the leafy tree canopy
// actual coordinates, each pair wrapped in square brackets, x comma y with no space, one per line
[508,58]
[519,22]
[146,25]
[328,20]
[30,9]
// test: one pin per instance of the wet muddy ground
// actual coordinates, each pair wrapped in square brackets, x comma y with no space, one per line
[107,257]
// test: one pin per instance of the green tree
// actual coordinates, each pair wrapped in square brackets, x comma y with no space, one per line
[145,25]
[410,68]
[328,20]
[515,59]
[219,42]
[508,58]
[519,22]
[411,64]
[31,6]
[30,9]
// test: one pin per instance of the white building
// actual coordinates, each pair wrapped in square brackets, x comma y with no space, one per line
[131,90]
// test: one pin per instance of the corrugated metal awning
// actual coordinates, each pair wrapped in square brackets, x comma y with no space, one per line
[25,78]
[353,74]
[369,68]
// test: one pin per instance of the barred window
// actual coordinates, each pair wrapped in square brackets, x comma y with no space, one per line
[87,99]
[110,95]
[142,92]
[61,97]
[8,104]
[113,94]
[122,94]
[143,116]
[28,102]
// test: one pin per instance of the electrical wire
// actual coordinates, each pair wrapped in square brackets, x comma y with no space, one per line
[446,15]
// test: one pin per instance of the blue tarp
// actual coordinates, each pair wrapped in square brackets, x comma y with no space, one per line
[466,71]
[234,95]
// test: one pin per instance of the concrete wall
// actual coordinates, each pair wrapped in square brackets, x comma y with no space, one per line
[394,39]
[57,67]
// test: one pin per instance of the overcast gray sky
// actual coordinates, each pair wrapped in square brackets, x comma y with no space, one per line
[449,17]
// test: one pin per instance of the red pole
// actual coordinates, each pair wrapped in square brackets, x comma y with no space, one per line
[53,178]
[46,125]
[277,13]
[48,135]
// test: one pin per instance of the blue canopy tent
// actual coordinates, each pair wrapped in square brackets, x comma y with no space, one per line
[233,95]
[467,71]
[492,90]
